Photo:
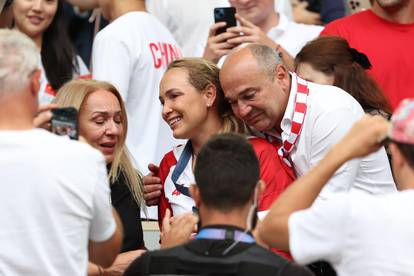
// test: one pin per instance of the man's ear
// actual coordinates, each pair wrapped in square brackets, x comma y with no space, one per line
[210,94]
[195,194]
[282,76]
[34,83]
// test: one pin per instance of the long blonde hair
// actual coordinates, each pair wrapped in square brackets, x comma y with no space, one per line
[202,73]
[74,94]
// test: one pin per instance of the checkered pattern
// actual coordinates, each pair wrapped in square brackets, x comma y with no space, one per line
[299,113]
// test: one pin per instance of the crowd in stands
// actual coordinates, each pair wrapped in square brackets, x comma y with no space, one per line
[283,145]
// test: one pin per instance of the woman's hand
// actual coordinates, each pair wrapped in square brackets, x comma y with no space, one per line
[176,231]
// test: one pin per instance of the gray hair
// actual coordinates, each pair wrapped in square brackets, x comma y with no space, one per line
[19,58]
[267,58]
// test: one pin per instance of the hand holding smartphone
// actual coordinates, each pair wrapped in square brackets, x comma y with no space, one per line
[65,122]
[225,14]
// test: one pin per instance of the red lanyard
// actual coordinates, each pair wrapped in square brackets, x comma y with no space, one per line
[299,113]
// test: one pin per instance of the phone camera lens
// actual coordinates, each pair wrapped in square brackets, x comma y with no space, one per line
[219,13]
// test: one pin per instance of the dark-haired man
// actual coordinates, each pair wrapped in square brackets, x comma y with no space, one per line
[357,234]
[228,186]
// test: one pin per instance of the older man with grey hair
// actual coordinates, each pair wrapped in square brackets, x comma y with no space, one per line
[55,197]
[304,117]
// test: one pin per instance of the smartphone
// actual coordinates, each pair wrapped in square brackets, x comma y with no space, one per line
[65,122]
[225,14]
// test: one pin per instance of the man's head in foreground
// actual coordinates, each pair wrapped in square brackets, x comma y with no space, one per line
[227,174]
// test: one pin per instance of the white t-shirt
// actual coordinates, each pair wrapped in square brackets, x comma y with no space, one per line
[331,113]
[55,197]
[46,93]
[133,53]
[293,36]
[358,234]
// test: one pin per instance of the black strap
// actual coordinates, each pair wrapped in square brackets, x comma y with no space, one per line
[179,168]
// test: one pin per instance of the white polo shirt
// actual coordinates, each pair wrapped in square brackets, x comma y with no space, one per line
[358,234]
[331,113]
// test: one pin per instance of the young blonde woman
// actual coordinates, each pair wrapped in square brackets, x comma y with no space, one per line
[103,123]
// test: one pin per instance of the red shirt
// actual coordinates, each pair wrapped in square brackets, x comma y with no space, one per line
[276,174]
[388,45]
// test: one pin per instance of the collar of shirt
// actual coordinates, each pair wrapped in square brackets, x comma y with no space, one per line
[286,122]
[280,28]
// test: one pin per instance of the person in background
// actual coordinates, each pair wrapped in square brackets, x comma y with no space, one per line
[55,193]
[103,124]
[261,24]
[44,22]
[190,23]
[329,60]
[385,30]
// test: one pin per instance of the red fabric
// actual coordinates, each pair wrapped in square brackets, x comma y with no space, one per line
[277,175]
[164,169]
[273,172]
[389,46]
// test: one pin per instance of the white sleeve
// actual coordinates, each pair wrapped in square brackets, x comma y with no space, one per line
[329,129]
[103,224]
[318,233]
[111,62]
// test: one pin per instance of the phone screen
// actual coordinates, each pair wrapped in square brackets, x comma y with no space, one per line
[65,122]
[225,14]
